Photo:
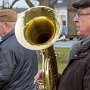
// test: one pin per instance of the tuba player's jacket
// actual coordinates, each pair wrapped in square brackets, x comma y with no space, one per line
[18,65]
[76,76]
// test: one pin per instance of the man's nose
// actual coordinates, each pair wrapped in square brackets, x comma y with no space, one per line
[75,19]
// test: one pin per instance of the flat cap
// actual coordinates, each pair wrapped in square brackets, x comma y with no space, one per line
[8,15]
[81,3]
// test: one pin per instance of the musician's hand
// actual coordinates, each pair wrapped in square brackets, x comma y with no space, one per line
[39,80]
[38,76]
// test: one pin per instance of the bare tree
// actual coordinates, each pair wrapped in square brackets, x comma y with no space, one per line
[49,3]
[6,4]
[13,3]
[52,3]
[29,3]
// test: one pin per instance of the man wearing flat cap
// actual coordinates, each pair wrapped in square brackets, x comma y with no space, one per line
[18,65]
[76,75]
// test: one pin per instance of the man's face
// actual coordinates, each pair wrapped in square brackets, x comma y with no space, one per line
[1,29]
[82,21]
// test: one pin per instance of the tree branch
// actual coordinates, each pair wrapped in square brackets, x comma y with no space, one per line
[29,3]
[13,3]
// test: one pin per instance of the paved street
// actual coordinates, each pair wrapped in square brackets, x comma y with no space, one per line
[65,44]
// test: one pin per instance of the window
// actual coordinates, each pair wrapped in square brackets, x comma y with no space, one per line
[64,23]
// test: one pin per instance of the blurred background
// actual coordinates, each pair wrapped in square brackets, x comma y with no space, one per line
[65,12]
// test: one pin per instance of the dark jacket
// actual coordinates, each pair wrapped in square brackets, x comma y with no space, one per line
[18,65]
[76,75]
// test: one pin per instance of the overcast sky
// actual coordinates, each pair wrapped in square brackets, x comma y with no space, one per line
[20,3]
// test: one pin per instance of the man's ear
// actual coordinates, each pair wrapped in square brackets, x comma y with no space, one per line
[6,26]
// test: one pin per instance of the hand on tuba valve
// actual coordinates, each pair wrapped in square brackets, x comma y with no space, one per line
[38,28]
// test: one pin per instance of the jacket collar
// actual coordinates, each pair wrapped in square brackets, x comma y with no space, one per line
[7,36]
[85,44]
[82,51]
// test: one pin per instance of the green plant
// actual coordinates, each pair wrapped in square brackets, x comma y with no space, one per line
[61,56]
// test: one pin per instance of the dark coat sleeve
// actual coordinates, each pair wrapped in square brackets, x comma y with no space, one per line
[74,50]
[7,63]
[86,81]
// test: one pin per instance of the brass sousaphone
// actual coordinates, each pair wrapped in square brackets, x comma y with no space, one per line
[38,28]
